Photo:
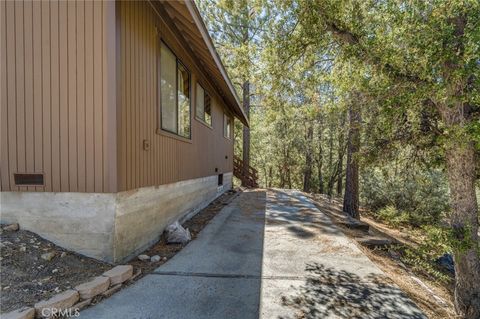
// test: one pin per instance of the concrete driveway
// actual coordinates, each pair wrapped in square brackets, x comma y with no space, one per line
[269,254]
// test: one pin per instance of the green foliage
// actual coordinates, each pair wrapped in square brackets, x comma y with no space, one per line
[405,195]
[391,216]
[435,242]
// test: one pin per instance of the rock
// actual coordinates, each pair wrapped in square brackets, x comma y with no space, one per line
[176,234]
[155,259]
[164,258]
[23,313]
[112,290]
[374,241]
[48,256]
[144,257]
[54,271]
[11,227]
[352,223]
[92,288]
[23,249]
[446,261]
[63,254]
[59,302]
[119,274]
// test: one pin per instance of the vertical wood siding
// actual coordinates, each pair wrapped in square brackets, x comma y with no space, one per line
[52,94]
[168,159]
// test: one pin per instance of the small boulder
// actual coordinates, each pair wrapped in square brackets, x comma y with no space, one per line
[11,227]
[59,302]
[23,313]
[176,234]
[48,256]
[119,274]
[92,288]
[143,257]
[446,261]
[23,249]
[155,259]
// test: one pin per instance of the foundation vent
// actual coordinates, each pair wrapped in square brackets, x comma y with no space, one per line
[28,179]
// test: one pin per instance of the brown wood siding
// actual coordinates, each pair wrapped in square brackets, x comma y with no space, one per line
[168,159]
[54,106]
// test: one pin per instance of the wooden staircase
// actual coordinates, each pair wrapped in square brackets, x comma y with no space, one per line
[249,177]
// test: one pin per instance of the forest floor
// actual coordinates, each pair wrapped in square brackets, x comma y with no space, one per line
[433,296]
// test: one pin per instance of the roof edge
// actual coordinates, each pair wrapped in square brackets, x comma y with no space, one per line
[197,18]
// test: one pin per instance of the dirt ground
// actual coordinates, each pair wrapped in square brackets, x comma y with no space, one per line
[388,261]
[27,278]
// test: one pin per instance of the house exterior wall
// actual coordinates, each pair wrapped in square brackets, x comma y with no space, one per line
[113,227]
[57,112]
[169,159]
[78,99]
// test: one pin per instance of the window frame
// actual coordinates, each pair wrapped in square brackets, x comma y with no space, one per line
[225,117]
[160,129]
[211,106]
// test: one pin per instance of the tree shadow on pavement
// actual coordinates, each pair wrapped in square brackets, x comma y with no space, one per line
[300,214]
[329,293]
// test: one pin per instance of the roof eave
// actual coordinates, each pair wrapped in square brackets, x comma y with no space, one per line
[197,18]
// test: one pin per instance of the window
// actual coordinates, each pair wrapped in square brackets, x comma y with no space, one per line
[174,94]
[227,126]
[204,108]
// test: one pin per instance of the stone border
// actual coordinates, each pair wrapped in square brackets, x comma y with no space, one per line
[71,301]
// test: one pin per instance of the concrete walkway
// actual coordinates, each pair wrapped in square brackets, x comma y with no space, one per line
[266,255]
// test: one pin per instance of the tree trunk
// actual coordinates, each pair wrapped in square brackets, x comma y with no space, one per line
[330,163]
[341,153]
[270,176]
[307,174]
[461,171]
[246,131]
[464,222]
[321,189]
[351,197]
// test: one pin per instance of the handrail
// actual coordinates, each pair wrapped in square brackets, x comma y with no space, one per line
[248,175]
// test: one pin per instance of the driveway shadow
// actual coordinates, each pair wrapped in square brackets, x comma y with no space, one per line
[328,293]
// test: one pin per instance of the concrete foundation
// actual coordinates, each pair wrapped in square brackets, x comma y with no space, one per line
[110,227]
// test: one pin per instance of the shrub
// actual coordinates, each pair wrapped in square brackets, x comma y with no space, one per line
[402,196]
[390,215]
